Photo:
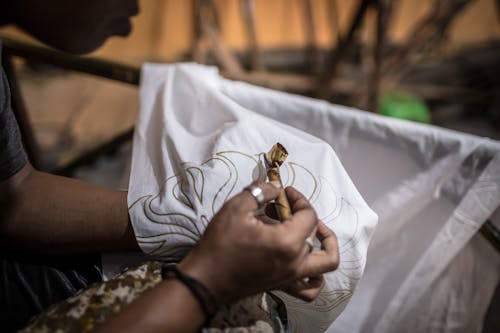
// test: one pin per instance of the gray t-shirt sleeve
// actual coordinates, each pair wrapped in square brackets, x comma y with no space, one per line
[12,155]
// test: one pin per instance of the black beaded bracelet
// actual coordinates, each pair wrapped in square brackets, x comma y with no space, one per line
[205,298]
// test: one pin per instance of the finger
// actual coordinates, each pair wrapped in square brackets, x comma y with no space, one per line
[323,261]
[308,247]
[302,283]
[327,237]
[296,199]
[312,282]
[305,289]
[304,219]
[246,201]
[312,236]
[308,295]
[300,226]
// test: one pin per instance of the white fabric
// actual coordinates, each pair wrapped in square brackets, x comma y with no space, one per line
[427,268]
[195,147]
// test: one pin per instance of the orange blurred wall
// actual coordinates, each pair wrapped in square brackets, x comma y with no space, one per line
[163,30]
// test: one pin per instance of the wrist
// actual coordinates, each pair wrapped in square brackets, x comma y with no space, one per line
[204,297]
[205,272]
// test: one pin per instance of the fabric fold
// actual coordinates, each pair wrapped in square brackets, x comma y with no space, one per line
[195,147]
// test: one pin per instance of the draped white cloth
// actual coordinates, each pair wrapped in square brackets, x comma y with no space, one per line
[427,268]
[195,147]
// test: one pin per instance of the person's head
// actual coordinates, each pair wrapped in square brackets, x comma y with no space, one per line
[76,26]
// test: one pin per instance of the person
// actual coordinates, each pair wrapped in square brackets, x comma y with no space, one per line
[44,213]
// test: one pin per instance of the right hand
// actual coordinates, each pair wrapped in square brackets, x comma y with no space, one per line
[239,255]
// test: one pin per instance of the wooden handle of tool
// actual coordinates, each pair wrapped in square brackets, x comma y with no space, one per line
[282,205]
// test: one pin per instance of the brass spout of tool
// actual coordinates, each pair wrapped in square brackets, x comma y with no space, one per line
[275,158]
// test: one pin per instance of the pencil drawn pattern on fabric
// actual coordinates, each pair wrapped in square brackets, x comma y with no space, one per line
[195,147]
[178,230]
[191,203]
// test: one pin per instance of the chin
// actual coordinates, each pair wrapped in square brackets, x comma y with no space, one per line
[79,46]
[120,27]
[87,44]
[82,41]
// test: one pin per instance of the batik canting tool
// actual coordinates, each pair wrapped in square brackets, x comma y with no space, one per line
[275,158]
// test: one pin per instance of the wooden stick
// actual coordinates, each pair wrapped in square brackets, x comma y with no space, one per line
[282,205]
[275,157]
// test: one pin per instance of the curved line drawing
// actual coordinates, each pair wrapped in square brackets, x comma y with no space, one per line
[224,185]
[180,222]
[235,180]
[204,220]
[160,245]
[172,233]
[294,175]
[198,192]
[176,190]
[353,240]
[337,208]
[137,200]
[148,208]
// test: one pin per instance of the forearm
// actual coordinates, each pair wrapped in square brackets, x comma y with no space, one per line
[52,214]
[169,307]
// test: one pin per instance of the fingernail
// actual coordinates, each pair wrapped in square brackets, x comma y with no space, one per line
[275,183]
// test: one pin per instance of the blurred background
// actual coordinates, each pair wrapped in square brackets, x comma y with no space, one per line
[432,61]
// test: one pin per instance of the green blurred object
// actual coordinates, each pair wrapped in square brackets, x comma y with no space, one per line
[404,106]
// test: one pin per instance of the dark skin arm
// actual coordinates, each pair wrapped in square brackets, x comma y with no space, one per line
[44,213]
[169,307]
[48,214]
[51,214]
[273,256]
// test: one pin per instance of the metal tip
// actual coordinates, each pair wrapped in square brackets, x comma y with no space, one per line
[277,155]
